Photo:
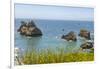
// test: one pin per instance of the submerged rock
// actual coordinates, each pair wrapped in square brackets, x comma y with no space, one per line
[70,36]
[84,33]
[29,29]
[87,45]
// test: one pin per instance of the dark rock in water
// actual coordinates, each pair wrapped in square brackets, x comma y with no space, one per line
[70,36]
[87,45]
[29,29]
[84,33]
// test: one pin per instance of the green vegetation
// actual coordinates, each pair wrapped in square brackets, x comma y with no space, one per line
[49,56]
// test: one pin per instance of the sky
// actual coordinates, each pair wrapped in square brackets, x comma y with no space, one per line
[53,12]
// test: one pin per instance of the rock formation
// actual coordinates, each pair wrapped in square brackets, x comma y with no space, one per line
[84,33]
[70,36]
[29,29]
[87,45]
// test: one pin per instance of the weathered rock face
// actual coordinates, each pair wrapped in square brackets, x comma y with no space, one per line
[84,33]
[87,45]
[29,29]
[70,36]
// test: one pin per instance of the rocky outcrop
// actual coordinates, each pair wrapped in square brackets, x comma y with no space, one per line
[70,36]
[84,33]
[29,29]
[87,45]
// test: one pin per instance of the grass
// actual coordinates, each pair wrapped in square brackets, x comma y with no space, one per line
[49,56]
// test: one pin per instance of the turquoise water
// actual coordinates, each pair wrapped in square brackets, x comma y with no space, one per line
[52,32]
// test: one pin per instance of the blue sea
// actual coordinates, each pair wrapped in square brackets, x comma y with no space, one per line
[52,31]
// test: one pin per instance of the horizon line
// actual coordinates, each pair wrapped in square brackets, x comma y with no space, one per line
[53,19]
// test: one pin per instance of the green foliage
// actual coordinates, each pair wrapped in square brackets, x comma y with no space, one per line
[49,56]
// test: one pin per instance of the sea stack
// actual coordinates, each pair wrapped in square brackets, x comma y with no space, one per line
[70,36]
[85,33]
[29,29]
[87,45]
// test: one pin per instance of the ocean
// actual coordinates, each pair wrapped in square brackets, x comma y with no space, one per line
[52,31]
